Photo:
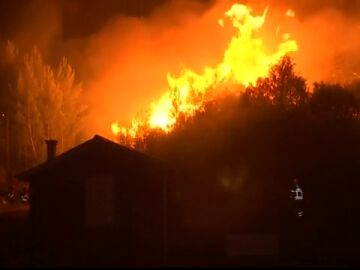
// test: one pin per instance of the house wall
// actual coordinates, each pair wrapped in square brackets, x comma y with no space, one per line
[145,197]
[61,215]
[55,216]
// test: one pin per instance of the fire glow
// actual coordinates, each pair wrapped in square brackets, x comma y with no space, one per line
[245,60]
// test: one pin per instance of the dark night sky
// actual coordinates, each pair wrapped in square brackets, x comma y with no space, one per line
[80,17]
[84,17]
[95,13]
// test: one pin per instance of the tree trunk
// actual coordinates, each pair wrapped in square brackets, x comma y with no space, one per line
[30,133]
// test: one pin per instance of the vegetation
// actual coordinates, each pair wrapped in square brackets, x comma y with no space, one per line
[243,152]
[37,102]
[238,156]
[240,153]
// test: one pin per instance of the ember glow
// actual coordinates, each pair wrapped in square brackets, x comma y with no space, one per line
[245,60]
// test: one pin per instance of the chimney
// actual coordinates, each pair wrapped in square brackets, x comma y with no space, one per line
[51,149]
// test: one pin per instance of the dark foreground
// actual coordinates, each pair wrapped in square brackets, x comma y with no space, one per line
[16,250]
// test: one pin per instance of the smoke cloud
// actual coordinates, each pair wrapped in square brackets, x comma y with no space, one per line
[122,51]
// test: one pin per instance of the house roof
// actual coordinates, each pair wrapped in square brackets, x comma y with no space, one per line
[98,148]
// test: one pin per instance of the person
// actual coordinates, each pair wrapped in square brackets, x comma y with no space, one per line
[298,194]
[298,197]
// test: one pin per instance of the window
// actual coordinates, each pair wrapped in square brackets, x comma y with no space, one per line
[99,201]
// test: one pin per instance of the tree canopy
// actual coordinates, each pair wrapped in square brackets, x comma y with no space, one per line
[42,102]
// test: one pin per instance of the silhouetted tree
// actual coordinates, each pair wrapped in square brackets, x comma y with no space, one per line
[335,101]
[243,152]
[283,87]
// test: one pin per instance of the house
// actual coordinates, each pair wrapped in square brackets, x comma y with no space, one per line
[98,204]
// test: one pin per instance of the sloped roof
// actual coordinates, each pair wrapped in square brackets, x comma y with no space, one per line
[104,149]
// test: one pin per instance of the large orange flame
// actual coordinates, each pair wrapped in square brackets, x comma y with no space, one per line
[245,61]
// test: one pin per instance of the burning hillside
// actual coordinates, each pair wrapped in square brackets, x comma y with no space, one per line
[150,74]
[246,59]
[236,126]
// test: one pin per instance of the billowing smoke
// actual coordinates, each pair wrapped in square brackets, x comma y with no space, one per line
[123,50]
[36,22]
[126,62]
[328,35]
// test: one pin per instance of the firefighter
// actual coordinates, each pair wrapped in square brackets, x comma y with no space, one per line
[297,195]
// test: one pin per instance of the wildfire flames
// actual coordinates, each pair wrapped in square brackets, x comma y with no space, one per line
[245,61]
